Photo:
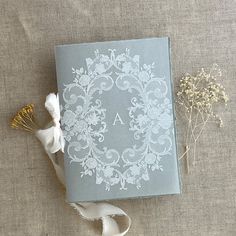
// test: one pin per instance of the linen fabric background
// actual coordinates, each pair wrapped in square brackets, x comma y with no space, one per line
[202,32]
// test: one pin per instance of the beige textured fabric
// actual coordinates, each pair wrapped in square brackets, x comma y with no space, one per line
[202,32]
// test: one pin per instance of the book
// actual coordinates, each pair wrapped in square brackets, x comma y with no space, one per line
[117,117]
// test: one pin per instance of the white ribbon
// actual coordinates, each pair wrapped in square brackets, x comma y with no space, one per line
[53,143]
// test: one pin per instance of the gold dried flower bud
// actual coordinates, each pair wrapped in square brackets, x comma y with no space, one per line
[24,119]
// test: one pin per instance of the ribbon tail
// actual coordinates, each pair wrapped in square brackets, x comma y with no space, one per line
[105,212]
[52,144]
[110,226]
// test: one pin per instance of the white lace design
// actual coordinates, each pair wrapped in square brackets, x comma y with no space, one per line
[84,119]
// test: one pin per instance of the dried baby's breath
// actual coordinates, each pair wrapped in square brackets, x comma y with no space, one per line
[24,119]
[199,96]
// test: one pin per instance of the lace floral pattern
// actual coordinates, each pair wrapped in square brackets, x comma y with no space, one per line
[84,119]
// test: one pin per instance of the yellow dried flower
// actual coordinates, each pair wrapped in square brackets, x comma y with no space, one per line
[24,119]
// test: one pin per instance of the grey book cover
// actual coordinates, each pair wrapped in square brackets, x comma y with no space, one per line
[117,117]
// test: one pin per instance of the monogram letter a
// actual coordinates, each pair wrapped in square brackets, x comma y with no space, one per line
[118,119]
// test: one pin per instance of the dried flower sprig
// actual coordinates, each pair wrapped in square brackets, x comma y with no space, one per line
[24,119]
[199,96]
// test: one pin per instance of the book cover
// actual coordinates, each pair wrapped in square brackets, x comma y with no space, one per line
[117,117]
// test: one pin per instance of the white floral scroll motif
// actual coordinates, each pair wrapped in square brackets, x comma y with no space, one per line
[150,119]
